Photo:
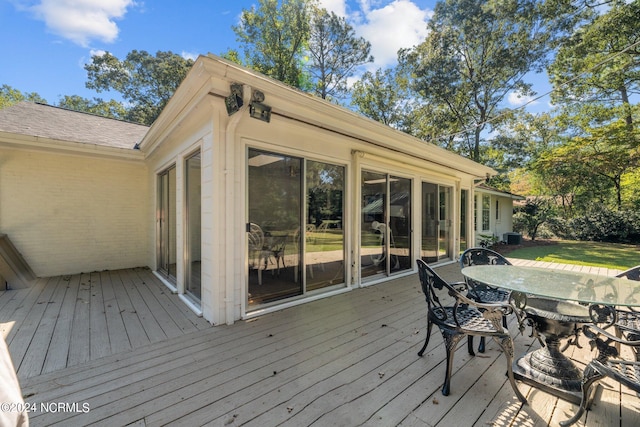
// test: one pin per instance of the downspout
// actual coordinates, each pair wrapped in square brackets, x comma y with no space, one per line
[230,229]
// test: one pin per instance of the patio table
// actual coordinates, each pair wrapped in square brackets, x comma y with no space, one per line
[550,299]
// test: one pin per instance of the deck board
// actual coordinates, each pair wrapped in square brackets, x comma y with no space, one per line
[348,360]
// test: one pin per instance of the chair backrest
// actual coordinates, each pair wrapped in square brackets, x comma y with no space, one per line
[632,274]
[482,256]
[256,237]
[433,286]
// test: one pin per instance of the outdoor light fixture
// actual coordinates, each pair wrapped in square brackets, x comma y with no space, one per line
[234,100]
[257,109]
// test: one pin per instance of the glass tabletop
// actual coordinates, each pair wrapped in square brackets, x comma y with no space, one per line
[558,284]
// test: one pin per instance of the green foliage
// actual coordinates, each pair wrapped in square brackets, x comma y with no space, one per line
[476,53]
[100,107]
[273,37]
[10,96]
[335,52]
[532,215]
[602,224]
[145,82]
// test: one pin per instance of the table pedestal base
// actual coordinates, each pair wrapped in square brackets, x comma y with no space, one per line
[547,368]
[550,370]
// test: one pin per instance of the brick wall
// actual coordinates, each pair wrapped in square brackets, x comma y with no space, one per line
[68,214]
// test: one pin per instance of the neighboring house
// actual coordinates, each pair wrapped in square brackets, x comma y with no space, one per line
[493,212]
[244,197]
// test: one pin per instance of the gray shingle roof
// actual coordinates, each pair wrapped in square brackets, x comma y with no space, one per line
[45,121]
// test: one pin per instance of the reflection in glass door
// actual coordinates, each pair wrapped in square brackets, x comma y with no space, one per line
[295,235]
[436,222]
[444,235]
[385,226]
[275,218]
[324,234]
[193,231]
[166,224]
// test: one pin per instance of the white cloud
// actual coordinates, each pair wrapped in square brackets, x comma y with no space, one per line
[517,99]
[82,20]
[189,55]
[339,7]
[398,24]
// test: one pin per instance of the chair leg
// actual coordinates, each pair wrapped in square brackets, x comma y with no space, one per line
[590,377]
[470,344]
[450,341]
[507,348]
[481,346]
[426,341]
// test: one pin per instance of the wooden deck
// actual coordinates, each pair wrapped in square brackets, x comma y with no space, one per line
[116,348]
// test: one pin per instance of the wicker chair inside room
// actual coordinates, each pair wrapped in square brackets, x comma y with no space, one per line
[458,316]
[479,291]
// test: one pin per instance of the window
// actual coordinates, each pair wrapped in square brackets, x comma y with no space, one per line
[486,211]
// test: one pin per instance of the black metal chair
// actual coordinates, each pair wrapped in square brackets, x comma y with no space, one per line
[462,317]
[607,362]
[627,323]
[479,291]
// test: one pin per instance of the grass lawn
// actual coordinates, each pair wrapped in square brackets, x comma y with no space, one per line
[609,255]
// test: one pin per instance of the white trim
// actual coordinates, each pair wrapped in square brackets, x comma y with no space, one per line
[191,304]
[168,284]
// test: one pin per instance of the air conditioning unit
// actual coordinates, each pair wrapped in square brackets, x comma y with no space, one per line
[512,238]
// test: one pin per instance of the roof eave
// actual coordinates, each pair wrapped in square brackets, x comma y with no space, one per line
[37,143]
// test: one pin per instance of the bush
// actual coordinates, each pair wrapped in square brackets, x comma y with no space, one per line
[600,224]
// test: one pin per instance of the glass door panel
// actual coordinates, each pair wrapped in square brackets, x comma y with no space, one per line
[464,200]
[167,224]
[275,219]
[430,226]
[444,234]
[324,235]
[193,221]
[399,224]
[373,251]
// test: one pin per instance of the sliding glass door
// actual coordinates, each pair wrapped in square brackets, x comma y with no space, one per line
[166,224]
[385,224]
[295,239]
[193,230]
[436,222]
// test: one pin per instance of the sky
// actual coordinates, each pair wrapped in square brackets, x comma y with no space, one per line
[46,43]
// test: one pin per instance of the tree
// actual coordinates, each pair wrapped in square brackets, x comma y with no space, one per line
[532,215]
[380,96]
[10,96]
[477,52]
[273,38]
[145,82]
[598,65]
[98,106]
[335,52]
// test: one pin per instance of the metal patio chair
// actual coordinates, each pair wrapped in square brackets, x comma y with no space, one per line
[608,362]
[479,291]
[627,323]
[462,317]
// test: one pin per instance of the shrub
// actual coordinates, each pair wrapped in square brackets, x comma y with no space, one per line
[600,224]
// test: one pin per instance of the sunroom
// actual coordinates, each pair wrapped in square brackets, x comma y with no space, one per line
[266,197]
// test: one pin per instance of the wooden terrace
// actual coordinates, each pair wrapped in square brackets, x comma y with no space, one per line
[116,348]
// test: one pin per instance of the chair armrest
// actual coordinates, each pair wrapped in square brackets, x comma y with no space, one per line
[592,331]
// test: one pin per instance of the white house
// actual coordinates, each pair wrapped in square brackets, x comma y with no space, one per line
[493,213]
[245,196]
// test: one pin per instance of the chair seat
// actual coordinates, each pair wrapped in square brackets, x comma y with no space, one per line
[628,320]
[623,371]
[470,319]
[490,295]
